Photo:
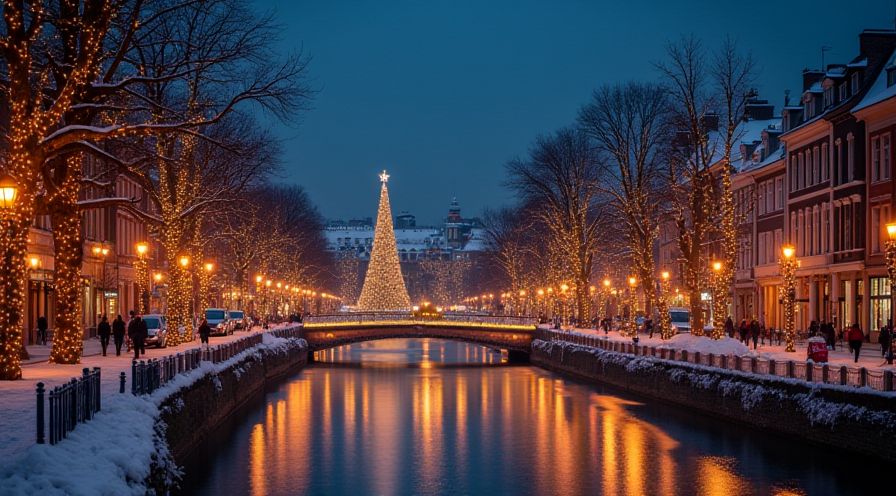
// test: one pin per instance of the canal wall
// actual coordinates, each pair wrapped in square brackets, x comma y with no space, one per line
[856,419]
[188,414]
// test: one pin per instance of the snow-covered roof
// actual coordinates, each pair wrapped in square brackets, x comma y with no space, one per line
[879,90]
[477,241]
[747,132]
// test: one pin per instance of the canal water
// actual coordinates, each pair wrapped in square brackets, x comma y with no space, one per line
[428,417]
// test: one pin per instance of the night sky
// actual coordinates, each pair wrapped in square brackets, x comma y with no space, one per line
[443,93]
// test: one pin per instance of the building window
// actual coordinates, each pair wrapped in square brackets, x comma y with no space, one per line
[850,157]
[844,94]
[828,96]
[875,159]
[824,162]
[779,193]
[880,301]
[885,156]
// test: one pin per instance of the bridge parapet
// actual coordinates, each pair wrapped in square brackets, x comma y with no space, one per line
[374,319]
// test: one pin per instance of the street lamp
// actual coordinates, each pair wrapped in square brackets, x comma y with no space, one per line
[100,251]
[9,191]
[718,301]
[184,261]
[142,270]
[663,305]
[788,289]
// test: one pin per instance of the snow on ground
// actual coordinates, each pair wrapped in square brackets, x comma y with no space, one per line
[17,398]
[724,346]
[118,445]
[870,356]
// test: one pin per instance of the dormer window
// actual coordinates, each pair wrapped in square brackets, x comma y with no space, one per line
[856,79]
[844,91]
[828,96]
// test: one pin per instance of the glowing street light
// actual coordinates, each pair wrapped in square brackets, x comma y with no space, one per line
[184,261]
[9,191]
[788,273]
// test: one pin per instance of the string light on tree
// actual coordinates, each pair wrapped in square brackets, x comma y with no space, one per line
[662,305]
[141,268]
[384,287]
[788,265]
[719,287]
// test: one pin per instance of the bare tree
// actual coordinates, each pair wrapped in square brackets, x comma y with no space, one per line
[562,177]
[507,242]
[628,124]
[705,88]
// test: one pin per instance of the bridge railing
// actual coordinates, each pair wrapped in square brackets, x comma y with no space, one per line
[375,317]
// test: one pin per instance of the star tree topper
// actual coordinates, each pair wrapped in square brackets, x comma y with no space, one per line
[384,178]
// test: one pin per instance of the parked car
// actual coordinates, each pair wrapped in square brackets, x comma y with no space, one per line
[681,320]
[218,321]
[157,332]
[239,320]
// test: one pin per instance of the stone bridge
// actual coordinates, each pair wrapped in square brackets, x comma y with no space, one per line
[513,334]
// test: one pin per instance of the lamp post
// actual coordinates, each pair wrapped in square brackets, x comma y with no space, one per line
[718,300]
[524,307]
[632,303]
[891,272]
[663,305]
[564,317]
[788,293]
[101,252]
[205,276]
[141,267]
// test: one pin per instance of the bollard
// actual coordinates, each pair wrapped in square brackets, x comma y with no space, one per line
[863,377]
[134,377]
[122,378]
[97,388]
[40,413]
[888,380]
[772,368]
[844,375]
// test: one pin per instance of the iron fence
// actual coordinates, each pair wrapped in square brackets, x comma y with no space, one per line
[70,404]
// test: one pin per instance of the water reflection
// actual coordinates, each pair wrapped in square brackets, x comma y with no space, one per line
[413,417]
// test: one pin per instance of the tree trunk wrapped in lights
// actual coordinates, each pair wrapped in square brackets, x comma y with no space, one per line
[384,287]
[662,307]
[13,239]
[141,270]
[719,287]
[68,334]
[788,299]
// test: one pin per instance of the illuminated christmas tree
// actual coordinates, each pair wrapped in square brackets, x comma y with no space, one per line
[383,285]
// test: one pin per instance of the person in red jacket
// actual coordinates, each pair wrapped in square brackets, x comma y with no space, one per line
[855,337]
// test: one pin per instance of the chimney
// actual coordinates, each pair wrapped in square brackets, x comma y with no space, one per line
[810,77]
[758,110]
[876,45]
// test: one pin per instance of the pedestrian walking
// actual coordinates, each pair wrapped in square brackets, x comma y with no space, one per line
[118,334]
[884,339]
[42,327]
[729,327]
[649,325]
[855,337]
[743,331]
[104,330]
[135,333]
[831,335]
[204,331]
[813,328]
[754,333]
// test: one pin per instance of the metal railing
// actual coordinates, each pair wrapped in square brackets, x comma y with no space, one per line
[880,380]
[374,317]
[72,403]
[149,375]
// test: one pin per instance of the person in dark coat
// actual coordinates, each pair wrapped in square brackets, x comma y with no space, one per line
[729,327]
[855,338]
[884,339]
[42,327]
[118,334]
[813,328]
[135,333]
[144,333]
[831,335]
[104,330]
[754,333]
[744,331]
[204,331]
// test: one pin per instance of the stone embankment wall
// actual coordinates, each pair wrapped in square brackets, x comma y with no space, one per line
[859,420]
[191,413]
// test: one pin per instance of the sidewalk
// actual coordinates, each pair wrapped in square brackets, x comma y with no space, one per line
[18,398]
[869,357]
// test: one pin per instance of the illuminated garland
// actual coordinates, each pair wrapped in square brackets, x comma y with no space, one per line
[662,306]
[384,287]
[788,299]
[68,335]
